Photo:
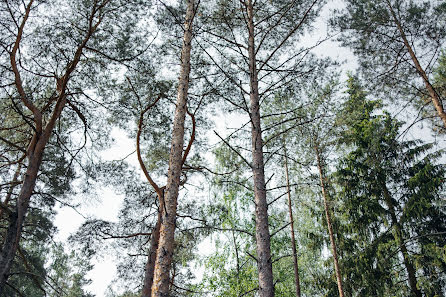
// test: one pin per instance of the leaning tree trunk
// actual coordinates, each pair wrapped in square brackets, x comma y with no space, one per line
[435,97]
[398,235]
[266,285]
[293,240]
[161,280]
[330,227]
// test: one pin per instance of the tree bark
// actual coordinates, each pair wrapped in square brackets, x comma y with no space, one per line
[266,285]
[329,225]
[436,100]
[150,265]
[398,235]
[161,281]
[293,240]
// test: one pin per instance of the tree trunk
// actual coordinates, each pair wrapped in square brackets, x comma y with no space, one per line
[16,219]
[150,265]
[330,227]
[160,287]
[398,235]
[293,240]
[436,100]
[266,285]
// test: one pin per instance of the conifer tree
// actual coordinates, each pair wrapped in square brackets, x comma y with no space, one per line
[391,191]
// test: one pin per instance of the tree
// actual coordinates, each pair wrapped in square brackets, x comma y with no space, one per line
[248,38]
[323,181]
[395,44]
[161,279]
[293,240]
[391,188]
[43,57]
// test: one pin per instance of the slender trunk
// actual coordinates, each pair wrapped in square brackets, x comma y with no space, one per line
[398,235]
[266,285]
[330,227]
[161,280]
[150,265]
[436,100]
[293,240]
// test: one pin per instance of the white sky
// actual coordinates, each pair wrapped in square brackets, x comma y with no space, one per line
[106,208]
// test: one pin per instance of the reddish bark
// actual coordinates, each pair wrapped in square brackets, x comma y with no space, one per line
[435,98]
[161,281]
[39,140]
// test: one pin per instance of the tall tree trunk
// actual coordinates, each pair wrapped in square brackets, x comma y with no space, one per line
[160,287]
[293,240]
[398,235]
[266,285]
[436,100]
[330,227]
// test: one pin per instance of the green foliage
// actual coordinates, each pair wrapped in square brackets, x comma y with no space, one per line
[370,30]
[379,162]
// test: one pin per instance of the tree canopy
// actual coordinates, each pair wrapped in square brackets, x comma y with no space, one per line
[254,165]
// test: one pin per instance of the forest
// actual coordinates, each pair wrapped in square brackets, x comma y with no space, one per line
[272,147]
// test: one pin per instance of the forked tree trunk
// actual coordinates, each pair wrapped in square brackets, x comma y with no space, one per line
[329,225]
[435,98]
[293,240]
[39,140]
[266,285]
[161,280]
[398,235]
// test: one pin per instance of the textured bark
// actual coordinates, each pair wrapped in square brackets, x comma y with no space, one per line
[16,219]
[436,100]
[330,227]
[398,235]
[293,240]
[266,285]
[150,265]
[161,281]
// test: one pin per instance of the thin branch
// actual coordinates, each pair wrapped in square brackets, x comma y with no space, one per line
[138,149]
[237,152]
[280,229]
[288,36]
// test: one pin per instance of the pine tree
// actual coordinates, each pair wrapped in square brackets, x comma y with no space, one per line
[398,44]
